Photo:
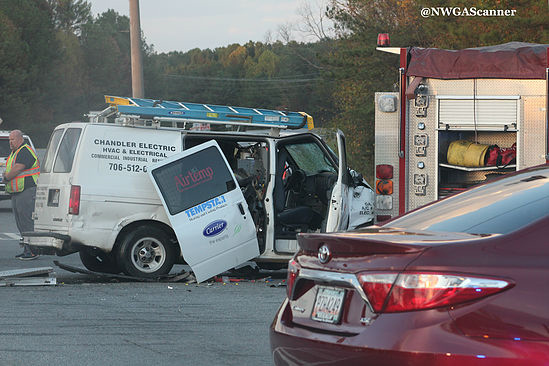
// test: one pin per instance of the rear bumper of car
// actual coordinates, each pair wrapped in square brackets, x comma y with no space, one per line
[51,242]
[408,344]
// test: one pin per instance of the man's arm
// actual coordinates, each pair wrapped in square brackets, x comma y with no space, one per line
[14,172]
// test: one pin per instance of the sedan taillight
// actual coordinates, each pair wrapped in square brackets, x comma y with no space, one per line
[293,272]
[393,292]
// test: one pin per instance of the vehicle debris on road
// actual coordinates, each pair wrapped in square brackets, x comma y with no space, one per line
[43,276]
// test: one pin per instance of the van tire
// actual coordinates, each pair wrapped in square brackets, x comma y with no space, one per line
[146,252]
[97,261]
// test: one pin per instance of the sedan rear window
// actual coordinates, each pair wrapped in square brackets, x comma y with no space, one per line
[496,208]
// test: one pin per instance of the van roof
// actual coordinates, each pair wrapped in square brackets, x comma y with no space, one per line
[265,133]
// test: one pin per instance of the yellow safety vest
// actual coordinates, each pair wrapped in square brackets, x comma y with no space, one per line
[17,184]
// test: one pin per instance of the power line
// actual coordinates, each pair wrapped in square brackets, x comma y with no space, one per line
[210,78]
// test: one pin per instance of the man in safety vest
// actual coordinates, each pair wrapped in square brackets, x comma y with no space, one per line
[22,171]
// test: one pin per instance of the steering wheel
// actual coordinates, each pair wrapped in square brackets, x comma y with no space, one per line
[296,180]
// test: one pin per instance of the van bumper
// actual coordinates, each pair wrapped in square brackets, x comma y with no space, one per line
[51,242]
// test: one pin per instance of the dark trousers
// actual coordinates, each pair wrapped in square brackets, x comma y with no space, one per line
[22,204]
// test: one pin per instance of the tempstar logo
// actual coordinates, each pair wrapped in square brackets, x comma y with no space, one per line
[207,207]
[193,178]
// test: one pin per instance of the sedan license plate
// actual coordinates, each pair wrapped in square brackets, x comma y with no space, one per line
[328,304]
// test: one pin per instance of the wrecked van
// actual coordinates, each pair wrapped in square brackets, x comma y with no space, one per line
[146,184]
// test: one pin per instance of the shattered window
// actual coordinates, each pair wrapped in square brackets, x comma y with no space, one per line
[310,158]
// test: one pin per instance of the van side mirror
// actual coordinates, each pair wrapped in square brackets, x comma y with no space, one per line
[357,178]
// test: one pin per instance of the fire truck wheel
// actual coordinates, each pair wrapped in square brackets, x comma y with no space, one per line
[98,261]
[146,252]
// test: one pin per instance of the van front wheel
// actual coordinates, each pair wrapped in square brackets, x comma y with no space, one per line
[146,252]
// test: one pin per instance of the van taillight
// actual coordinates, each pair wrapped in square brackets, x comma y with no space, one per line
[74,201]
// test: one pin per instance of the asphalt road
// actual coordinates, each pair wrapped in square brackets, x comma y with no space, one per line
[86,320]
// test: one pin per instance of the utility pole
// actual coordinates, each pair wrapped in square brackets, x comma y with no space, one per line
[138,88]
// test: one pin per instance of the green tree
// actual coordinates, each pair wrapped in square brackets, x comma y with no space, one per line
[28,49]
[106,49]
[70,15]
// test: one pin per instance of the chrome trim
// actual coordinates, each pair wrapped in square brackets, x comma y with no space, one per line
[324,254]
[335,278]
[297,308]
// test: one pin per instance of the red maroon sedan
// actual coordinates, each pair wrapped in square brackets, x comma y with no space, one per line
[463,281]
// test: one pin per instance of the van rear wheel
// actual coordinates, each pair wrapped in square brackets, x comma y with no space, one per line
[98,261]
[146,252]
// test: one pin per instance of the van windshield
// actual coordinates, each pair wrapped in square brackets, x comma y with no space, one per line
[310,158]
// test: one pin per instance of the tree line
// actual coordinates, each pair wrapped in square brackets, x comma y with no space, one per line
[58,60]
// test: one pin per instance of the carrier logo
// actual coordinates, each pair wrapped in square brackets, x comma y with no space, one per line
[214,228]
[193,178]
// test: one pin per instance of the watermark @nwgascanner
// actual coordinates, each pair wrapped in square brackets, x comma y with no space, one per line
[447,11]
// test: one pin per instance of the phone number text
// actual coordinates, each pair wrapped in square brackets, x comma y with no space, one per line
[133,168]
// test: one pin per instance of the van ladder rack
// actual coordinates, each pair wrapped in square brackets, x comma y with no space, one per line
[204,113]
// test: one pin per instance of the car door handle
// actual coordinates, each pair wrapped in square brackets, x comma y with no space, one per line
[241,208]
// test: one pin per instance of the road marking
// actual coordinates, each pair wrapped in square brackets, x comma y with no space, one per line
[9,236]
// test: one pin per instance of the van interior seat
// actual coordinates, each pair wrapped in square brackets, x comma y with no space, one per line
[300,217]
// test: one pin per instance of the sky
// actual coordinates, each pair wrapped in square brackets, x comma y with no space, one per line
[181,25]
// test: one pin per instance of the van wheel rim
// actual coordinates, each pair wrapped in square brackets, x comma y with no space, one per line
[148,255]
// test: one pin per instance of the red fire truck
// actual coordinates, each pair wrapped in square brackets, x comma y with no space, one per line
[483,98]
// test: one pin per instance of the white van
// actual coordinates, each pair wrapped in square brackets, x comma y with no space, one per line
[138,196]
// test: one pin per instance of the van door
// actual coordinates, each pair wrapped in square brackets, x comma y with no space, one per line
[338,211]
[53,191]
[206,209]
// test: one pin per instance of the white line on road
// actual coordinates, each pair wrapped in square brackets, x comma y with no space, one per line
[10,236]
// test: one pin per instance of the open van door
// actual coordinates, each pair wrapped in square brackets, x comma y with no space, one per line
[206,209]
[338,211]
